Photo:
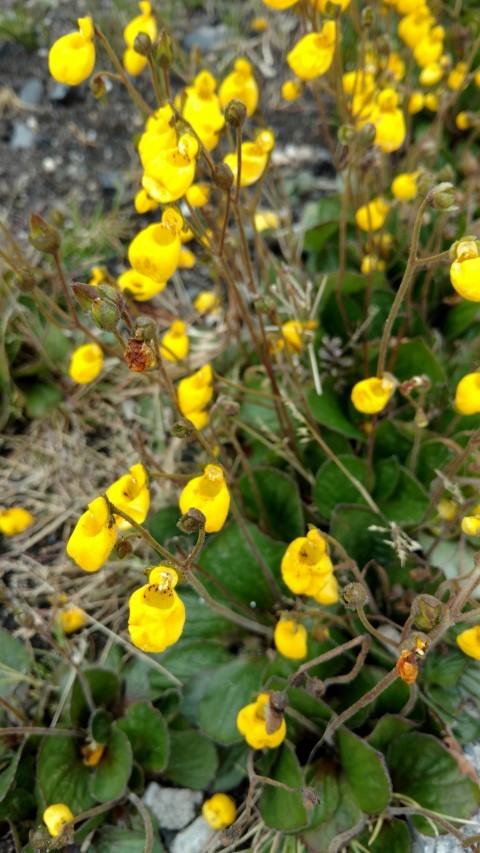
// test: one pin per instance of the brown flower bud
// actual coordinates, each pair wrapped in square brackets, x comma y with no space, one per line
[426,611]
[192,521]
[468,164]
[182,428]
[139,356]
[310,798]
[446,173]
[98,86]
[85,294]
[222,176]
[275,711]
[367,134]
[235,114]
[353,596]
[25,280]
[442,197]
[142,44]
[407,667]
[163,53]
[123,548]
[43,236]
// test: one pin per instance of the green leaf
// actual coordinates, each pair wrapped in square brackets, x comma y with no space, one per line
[424,770]
[193,760]
[393,837]
[229,689]
[104,688]
[259,411]
[280,809]
[7,776]
[328,411]
[14,659]
[163,524]
[187,659]
[391,441]
[116,838]
[414,358]
[147,732]
[387,473]
[350,525]
[111,775]
[232,767]
[41,399]
[333,487]
[366,771]
[56,344]
[337,811]
[462,318]
[409,501]
[202,622]
[100,725]
[62,775]
[279,502]
[387,730]
[228,558]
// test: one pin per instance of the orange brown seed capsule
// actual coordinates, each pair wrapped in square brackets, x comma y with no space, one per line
[407,667]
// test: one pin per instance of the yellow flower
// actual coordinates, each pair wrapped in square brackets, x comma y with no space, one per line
[71,58]
[471,523]
[280,4]
[92,541]
[292,90]
[187,260]
[430,48]
[195,392]
[131,494]
[266,220]
[396,66]
[175,343]
[219,811]
[293,333]
[258,25]
[431,74]
[97,276]
[371,216]
[447,509]
[254,158]
[312,56]
[371,395]
[476,78]
[207,302]
[240,85]
[143,203]
[198,195]
[168,176]
[143,23]
[86,363]
[469,642]
[329,593]
[415,26]
[208,493]
[55,817]
[372,263]
[464,121]
[306,567]
[322,5]
[465,270]
[290,639]
[404,187]
[155,252]
[432,102]
[199,418]
[467,395]
[133,62]
[92,753]
[141,286]
[71,619]
[389,122]
[252,725]
[416,102]
[160,135]
[15,520]
[202,109]
[157,614]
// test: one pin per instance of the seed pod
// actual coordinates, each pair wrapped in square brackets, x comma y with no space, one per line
[139,356]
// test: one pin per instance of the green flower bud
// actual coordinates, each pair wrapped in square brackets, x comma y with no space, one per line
[427,611]
[43,236]
[182,428]
[442,197]
[163,53]
[346,134]
[142,44]
[105,314]
[25,280]
[85,294]
[145,329]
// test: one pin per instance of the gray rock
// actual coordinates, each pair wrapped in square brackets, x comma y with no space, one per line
[207,38]
[111,182]
[194,838]
[22,137]
[174,808]
[32,91]
[60,92]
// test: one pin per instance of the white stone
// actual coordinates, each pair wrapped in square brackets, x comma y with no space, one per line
[174,808]
[194,838]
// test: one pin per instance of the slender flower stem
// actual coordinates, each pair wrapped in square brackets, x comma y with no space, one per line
[39,730]
[239,164]
[141,104]
[402,290]
[147,823]
[225,222]
[155,81]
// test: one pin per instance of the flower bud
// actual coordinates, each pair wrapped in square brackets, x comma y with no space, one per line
[25,280]
[98,86]
[446,173]
[346,134]
[142,44]
[468,164]
[182,428]
[163,53]
[139,356]
[353,596]
[222,176]
[426,611]
[367,17]
[275,711]
[192,521]
[123,548]
[85,294]
[310,797]
[442,197]
[230,407]
[367,134]
[43,236]
[105,314]
[420,419]
[145,329]
[236,114]
[265,305]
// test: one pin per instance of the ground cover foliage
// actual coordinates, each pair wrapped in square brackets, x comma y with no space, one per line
[240,490]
